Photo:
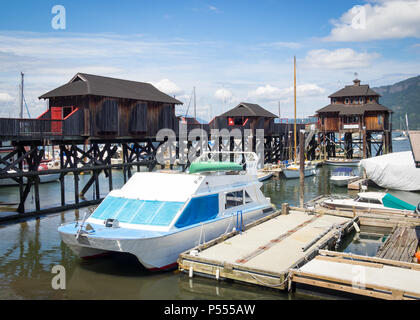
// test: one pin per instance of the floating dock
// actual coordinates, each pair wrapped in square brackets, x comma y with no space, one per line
[368,276]
[288,247]
[265,251]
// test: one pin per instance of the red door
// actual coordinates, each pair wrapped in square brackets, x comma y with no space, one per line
[56,114]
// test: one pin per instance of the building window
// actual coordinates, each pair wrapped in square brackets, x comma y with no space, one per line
[361,100]
[334,100]
[346,101]
[380,119]
[351,119]
[370,99]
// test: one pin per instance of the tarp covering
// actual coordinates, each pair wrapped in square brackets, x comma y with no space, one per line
[393,171]
[393,202]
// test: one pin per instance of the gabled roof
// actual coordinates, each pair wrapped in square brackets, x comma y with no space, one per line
[89,84]
[355,91]
[350,109]
[245,109]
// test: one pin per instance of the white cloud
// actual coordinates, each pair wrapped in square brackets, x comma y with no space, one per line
[342,58]
[169,87]
[392,19]
[266,93]
[269,93]
[5,97]
[223,94]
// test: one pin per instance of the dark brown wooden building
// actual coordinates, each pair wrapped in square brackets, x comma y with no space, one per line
[246,116]
[356,109]
[103,107]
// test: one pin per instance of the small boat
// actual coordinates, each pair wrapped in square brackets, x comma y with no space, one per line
[292,171]
[263,176]
[342,176]
[156,216]
[399,138]
[343,162]
[371,200]
[46,165]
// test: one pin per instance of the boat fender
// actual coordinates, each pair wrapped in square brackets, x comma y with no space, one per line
[418,256]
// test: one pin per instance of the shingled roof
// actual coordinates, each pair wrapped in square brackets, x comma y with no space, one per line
[245,109]
[355,90]
[347,109]
[89,84]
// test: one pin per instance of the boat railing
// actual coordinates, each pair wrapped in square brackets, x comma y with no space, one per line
[247,158]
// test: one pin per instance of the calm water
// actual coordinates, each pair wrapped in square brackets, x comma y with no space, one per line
[29,249]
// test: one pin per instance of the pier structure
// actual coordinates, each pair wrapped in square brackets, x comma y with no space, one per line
[355,124]
[93,120]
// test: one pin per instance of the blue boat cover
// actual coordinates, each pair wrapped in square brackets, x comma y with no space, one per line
[344,169]
[198,210]
[155,213]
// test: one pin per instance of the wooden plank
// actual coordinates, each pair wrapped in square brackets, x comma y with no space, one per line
[347,261]
[372,259]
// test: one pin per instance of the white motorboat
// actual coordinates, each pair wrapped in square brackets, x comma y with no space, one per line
[157,215]
[342,162]
[293,171]
[342,176]
[371,200]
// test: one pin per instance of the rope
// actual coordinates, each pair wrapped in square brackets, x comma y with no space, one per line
[270,285]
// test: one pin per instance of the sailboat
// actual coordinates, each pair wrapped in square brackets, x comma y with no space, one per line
[403,135]
[292,171]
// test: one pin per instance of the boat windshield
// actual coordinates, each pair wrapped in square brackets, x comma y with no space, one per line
[134,211]
[368,200]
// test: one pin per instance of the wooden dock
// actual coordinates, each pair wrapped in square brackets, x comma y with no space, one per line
[357,184]
[368,276]
[401,245]
[265,251]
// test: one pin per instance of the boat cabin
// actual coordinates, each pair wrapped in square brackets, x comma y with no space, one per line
[154,201]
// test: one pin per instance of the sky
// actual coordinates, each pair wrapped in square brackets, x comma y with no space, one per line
[230,51]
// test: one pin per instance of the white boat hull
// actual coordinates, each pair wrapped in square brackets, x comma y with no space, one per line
[158,253]
[342,181]
[343,163]
[8,182]
[293,174]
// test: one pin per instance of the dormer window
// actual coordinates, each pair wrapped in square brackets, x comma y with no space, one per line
[370,99]
[334,100]
[346,101]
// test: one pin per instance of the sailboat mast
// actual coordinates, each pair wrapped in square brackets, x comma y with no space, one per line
[21,96]
[294,87]
[195,106]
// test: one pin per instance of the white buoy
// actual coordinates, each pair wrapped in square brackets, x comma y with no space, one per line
[217,274]
[191,272]
[356,227]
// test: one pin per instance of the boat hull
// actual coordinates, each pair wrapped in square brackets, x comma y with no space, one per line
[158,253]
[342,181]
[294,174]
[8,182]
[344,163]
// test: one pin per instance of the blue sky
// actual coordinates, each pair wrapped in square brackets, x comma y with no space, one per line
[231,51]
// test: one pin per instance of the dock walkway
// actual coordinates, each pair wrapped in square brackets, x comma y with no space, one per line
[264,253]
